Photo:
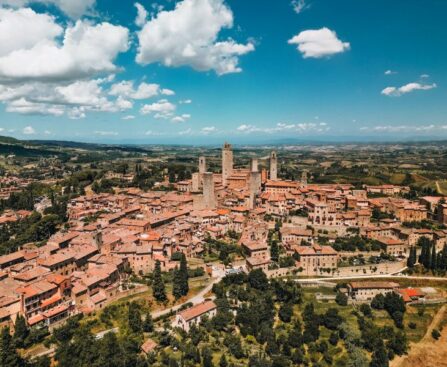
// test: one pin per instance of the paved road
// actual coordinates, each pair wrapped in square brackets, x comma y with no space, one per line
[198,298]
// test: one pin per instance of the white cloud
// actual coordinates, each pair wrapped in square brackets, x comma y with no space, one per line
[142,14]
[299,128]
[319,43]
[186,101]
[299,6]
[29,130]
[36,53]
[407,88]
[185,132]
[402,128]
[73,8]
[143,91]
[128,117]
[188,35]
[74,99]
[167,92]
[161,109]
[181,118]
[25,107]
[390,72]
[425,76]
[208,130]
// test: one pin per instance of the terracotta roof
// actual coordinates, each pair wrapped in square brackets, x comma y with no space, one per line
[197,310]
[148,346]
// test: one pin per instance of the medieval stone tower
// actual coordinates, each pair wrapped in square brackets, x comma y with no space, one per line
[227,162]
[273,166]
[209,199]
[202,165]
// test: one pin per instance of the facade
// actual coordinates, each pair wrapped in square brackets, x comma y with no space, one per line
[193,315]
[366,291]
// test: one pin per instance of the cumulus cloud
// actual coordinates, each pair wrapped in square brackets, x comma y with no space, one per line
[299,6]
[317,43]
[181,118]
[188,35]
[74,99]
[35,52]
[142,14]
[143,91]
[161,109]
[208,130]
[29,130]
[407,88]
[73,8]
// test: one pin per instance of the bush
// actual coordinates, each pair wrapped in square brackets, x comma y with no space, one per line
[341,299]
[412,325]
[435,334]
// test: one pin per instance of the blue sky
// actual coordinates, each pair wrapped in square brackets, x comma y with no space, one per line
[199,71]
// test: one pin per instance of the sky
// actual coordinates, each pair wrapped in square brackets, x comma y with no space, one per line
[205,71]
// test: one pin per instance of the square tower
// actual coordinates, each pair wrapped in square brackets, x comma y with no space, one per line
[227,162]
[273,166]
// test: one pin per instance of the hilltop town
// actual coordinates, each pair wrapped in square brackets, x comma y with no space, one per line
[239,219]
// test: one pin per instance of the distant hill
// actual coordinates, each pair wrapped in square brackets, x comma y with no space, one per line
[8,140]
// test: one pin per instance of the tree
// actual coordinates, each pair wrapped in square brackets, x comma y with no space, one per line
[285,313]
[158,286]
[8,353]
[184,286]
[148,324]
[223,361]
[134,317]
[207,357]
[177,284]
[258,280]
[341,299]
[331,319]
[21,331]
[378,302]
[433,262]
[411,261]
[274,251]
[365,309]
[435,334]
[379,357]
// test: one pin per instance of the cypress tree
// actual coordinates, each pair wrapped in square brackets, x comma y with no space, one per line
[8,353]
[148,324]
[443,263]
[20,331]
[274,251]
[184,277]
[177,284]
[433,258]
[158,286]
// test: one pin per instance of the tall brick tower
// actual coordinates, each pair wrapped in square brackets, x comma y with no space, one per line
[209,199]
[227,162]
[202,165]
[273,166]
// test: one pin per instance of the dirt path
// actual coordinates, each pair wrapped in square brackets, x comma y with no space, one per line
[427,352]
[438,188]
